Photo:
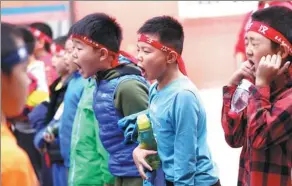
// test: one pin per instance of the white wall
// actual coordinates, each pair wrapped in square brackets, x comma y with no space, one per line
[201,9]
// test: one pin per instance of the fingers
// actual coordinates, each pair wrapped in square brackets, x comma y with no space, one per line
[263,60]
[141,172]
[46,136]
[269,59]
[49,137]
[145,164]
[284,68]
[247,73]
[149,152]
[139,156]
[278,60]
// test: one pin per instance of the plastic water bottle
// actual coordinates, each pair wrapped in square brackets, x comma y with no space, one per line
[240,98]
[147,140]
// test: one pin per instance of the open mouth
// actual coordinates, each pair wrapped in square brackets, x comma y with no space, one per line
[143,72]
[78,66]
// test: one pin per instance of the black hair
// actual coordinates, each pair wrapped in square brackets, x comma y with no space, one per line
[100,28]
[279,18]
[9,33]
[29,39]
[61,40]
[46,29]
[168,29]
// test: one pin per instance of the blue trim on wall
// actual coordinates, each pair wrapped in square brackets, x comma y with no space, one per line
[34,9]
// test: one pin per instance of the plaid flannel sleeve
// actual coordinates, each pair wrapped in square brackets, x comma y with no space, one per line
[268,124]
[234,129]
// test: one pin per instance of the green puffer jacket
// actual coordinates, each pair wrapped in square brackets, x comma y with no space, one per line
[88,158]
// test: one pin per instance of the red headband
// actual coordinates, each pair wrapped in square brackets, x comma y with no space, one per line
[94,44]
[163,48]
[40,35]
[269,33]
[57,49]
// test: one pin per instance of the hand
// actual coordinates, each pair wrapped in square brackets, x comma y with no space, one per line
[269,68]
[246,70]
[49,138]
[139,156]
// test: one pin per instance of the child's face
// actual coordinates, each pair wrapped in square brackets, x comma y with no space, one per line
[152,61]
[14,87]
[68,58]
[257,46]
[87,58]
[59,64]
[39,45]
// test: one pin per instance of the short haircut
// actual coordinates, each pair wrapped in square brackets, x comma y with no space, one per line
[9,33]
[168,29]
[29,39]
[61,41]
[100,28]
[44,28]
[279,18]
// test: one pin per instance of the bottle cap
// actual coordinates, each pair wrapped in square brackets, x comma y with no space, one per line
[233,114]
[143,122]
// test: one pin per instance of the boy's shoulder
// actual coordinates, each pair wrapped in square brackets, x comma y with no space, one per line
[187,90]
[131,86]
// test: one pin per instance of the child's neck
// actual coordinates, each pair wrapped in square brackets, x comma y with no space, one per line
[170,75]
[65,77]
[107,65]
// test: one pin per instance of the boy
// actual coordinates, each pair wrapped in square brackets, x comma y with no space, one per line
[264,129]
[16,168]
[71,100]
[178,118]
[88,158]
[120,89]
[44,34]
[240,45]
[48,116]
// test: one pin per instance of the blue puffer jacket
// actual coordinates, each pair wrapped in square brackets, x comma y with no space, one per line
[120,161]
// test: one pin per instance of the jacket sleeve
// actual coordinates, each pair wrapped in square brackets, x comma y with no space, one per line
[37,117]
[269,123]
[38,140]
[234,129]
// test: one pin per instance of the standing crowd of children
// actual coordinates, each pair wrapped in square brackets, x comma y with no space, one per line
[70,105]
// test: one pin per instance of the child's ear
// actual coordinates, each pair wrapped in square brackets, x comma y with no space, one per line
[284,51]
[172,57]
[103,54]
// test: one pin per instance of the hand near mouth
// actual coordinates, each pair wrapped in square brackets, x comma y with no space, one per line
[246,71]
[269,68]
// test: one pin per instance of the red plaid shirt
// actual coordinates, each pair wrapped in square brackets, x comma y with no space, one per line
[264,131]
